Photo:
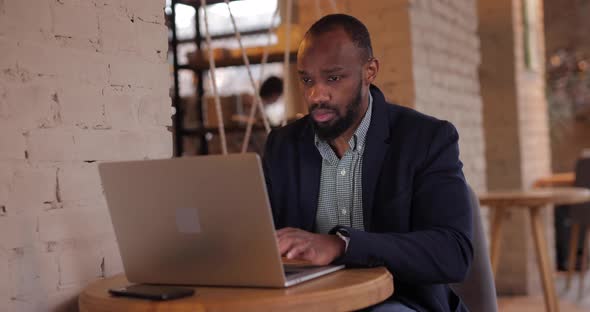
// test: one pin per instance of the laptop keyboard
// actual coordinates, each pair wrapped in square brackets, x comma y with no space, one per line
[291,270]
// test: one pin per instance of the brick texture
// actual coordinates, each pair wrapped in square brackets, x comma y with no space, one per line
[445,54]
[80,82]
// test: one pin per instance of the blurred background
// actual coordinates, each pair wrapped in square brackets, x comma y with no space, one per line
[86,81]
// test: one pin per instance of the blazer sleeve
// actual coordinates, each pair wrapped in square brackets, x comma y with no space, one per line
[438,249]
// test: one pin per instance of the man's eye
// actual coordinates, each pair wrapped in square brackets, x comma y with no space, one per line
[305,80]
[334,78]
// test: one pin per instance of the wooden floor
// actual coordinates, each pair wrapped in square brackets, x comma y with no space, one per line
[535,304]
[568,300]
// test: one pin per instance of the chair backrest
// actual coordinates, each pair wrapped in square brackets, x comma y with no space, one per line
[581,212]
[478,290]
[583,172]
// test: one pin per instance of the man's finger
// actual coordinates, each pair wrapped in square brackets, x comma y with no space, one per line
[298,251]
[287,230]
[293,235]
[287,243]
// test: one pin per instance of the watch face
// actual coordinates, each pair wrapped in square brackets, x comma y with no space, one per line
[343,232]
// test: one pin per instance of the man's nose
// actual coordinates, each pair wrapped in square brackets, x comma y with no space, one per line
[318,94]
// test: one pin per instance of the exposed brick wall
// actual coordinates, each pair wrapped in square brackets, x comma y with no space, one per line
[445,51]
[516,128]
[80,82]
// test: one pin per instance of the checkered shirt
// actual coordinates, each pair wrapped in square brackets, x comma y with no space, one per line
[340,199]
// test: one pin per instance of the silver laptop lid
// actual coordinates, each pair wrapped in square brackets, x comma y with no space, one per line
[194,221]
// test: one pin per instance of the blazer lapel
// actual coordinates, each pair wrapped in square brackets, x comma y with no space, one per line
[376,146]
[310,164]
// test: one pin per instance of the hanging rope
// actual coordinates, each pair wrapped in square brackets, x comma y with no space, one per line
[213,82]
[257,99]
[318,9]
[266,52]
[287,60]
[253,109]
[334,6]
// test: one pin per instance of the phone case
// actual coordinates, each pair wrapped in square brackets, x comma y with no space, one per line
[153,292]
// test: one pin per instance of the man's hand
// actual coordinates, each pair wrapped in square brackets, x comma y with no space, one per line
[319,249]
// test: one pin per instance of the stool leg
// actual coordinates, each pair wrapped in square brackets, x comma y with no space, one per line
[573,251]
[584,267]
[496,243]
[543,260]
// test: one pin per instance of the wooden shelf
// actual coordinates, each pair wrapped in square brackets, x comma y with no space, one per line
[223,36]
[228,129]
[203,64]
[197,3]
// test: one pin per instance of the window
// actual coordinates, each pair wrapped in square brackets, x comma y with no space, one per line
[253,19]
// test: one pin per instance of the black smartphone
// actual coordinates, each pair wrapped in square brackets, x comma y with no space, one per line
[153,292]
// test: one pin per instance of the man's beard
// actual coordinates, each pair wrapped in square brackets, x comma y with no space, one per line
[330,130]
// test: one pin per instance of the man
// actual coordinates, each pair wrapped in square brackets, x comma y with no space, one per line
[363,182]
[271,92]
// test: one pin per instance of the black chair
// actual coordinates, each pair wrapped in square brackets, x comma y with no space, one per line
[580,219]
[478,291]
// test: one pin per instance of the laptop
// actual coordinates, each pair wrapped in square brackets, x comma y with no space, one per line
[198,221]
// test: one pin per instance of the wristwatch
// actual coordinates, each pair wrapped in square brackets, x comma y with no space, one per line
[345,236]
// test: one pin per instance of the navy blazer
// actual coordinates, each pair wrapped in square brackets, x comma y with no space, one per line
[416,208]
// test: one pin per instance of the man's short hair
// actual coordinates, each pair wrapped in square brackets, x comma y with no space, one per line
[355,29]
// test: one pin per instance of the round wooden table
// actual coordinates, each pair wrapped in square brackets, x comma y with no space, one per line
[533,200]
[345,290]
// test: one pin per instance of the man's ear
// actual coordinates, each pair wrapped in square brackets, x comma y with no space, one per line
[372,68]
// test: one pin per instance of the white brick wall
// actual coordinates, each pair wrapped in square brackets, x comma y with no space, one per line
[446,58]
[80,82]
[74,19]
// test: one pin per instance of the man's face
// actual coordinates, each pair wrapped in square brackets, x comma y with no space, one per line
[330,69]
